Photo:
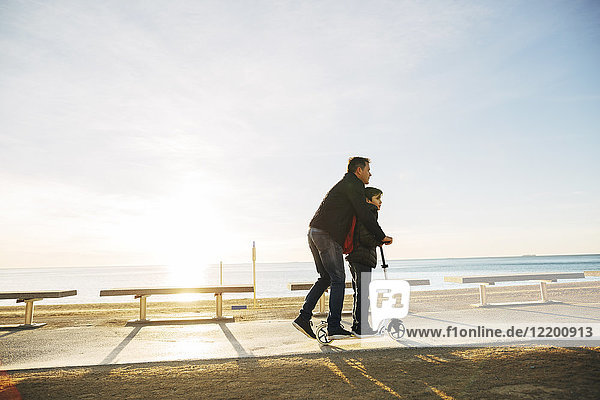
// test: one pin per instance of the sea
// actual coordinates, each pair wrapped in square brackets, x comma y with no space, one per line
[271,278]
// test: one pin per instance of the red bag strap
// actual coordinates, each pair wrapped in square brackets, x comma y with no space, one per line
[349,242]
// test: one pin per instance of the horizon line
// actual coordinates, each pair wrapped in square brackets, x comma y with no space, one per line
[307,261]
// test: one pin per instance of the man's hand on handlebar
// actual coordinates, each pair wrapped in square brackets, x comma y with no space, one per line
[387,240]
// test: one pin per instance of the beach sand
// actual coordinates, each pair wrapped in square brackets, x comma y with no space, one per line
[462,373]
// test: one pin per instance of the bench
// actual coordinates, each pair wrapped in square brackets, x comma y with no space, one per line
[143,293]
[28,298]
[307,285]
[486,280]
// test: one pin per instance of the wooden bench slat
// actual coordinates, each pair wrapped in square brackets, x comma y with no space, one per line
[308,285]
[514,277]
[40,294]
[177,290]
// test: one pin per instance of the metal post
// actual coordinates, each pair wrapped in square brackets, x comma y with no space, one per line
[29,311]
[543,291]
[221,279]
[482,295]
[143,308]
[254,269]
[219,300]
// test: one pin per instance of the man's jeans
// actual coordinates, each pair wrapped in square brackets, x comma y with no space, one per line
[329,260]
[361,278]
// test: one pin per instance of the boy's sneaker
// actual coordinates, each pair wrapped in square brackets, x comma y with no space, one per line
[304,326]
[338,333]
[364,331]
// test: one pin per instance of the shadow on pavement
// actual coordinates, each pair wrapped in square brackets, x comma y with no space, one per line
[234,342]
[113,354]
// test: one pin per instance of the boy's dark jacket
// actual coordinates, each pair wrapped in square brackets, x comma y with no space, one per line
[365,244]
[345,200]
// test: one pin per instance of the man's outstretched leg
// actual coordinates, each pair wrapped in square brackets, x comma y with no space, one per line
[329,260]
[303,322]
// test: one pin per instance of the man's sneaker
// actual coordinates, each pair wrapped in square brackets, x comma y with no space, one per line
[364,331]
[338,333]
[304,326]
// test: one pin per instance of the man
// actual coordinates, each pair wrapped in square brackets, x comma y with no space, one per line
[333,222]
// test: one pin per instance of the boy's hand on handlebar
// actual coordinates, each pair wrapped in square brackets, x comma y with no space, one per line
[387,240]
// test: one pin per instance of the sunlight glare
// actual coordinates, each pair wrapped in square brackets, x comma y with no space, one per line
[184,234]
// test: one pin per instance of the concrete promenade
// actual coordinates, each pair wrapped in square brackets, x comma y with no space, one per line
[49,347]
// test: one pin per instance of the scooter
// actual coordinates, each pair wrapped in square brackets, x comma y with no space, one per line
[389,300]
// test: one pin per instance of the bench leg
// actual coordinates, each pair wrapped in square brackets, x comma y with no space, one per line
[29,311]
[219,300]
[543,292]
[482,294]
[322,302]
[143,308]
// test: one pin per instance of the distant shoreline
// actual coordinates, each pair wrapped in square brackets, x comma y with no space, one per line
[303,262]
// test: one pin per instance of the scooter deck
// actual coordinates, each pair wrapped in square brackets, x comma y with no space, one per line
[353,337]
[358,337]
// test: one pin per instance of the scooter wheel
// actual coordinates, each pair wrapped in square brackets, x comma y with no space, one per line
[396,329]
[321,332]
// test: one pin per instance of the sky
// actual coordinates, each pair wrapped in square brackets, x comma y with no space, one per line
[179,132]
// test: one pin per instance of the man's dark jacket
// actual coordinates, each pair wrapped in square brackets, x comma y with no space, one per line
[345,200]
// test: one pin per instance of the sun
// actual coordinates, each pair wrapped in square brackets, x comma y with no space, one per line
[182,231]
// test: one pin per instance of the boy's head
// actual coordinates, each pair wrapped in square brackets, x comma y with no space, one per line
[373,196]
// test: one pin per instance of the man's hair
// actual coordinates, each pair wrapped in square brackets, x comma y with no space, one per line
[372,191]
[355,162]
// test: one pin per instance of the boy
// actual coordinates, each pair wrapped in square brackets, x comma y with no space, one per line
[363,259]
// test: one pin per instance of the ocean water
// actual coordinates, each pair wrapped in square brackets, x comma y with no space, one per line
[271,279]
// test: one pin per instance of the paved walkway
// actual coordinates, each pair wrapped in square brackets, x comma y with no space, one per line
[49,347]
